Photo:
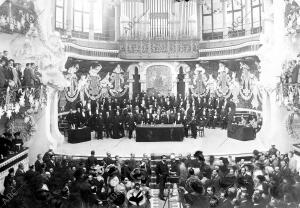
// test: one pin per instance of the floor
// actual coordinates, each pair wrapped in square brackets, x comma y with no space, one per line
[215,142]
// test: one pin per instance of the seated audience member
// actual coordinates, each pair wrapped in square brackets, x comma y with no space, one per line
[91,161]
[38,164]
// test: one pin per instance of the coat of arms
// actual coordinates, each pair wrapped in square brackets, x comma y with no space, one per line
[117,80]
[71,92]
[223,81]
[246,88]
[199,81]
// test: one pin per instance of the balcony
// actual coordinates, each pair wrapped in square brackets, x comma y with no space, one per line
[159,49]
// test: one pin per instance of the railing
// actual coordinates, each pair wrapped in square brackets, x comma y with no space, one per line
[104,37]
[12,162]
[82,35]
[90,52]
[208,35]
[229,51]
[159,49]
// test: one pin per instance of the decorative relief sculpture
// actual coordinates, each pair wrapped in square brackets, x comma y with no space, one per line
[223,81]
[245,91]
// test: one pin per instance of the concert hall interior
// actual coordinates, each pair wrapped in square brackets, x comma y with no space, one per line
[149,103]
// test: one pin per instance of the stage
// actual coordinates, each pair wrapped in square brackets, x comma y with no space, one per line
[215,142]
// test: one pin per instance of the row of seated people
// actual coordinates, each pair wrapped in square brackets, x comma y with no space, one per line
[270,179]
[10,144]
[248,121]
[12,74]
[115,117]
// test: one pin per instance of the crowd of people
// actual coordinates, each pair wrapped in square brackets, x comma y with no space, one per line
[10,144]
[64,182]
[269,180]
[292,16]
[115,117]
[13,75]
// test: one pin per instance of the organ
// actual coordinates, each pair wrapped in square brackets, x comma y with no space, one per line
[158,19]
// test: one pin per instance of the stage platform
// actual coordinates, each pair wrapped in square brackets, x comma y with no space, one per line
[215,142]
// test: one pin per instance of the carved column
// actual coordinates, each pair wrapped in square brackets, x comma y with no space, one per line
[199,20]
[130,90]
[91,20]
[187,85]
[69,20]
[225,28]
[117,20]
[247,17]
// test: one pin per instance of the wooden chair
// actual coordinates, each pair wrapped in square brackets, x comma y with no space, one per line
[201,131]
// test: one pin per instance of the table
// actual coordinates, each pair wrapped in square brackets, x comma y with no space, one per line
[159,133]
[242,133]
[79,135]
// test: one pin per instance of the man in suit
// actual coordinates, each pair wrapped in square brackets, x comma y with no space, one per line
[70,118]
[186,126]
[91,161]
[178,118]
[5,56]
[148,117]
[38,165]
[108,124]
[20,171]
[8,72]
[162,173]
[99,124]
[3,81]
[28,76]
[193,125]
[130,124]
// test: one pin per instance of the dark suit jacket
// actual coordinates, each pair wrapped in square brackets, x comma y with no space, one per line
[2,77]
[162,169]
[38,166]
[28,78]
[90,162]
[8,73]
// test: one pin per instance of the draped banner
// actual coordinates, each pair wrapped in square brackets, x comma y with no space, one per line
[231,79]
[96,83]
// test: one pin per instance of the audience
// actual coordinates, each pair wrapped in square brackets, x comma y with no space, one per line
[11,73]
[10,144]
[221,183]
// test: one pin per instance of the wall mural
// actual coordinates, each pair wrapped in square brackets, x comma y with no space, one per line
[158,80]
[91,81]
[238,80]
[234,79]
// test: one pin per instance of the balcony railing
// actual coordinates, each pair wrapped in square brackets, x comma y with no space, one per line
[159,49]
[82,35]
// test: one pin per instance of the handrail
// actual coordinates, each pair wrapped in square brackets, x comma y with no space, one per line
[140,157]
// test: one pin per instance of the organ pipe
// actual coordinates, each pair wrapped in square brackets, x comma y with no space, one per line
[158,18]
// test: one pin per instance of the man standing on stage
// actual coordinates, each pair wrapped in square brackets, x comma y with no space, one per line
[131,124]
[162,172]
[99,124]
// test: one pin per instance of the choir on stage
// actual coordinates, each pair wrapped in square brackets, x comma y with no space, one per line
[115,118]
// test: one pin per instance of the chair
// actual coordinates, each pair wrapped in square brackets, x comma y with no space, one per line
[201,131]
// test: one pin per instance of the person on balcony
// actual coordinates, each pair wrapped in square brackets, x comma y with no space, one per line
[8,72]
[28,76]
[3,82]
